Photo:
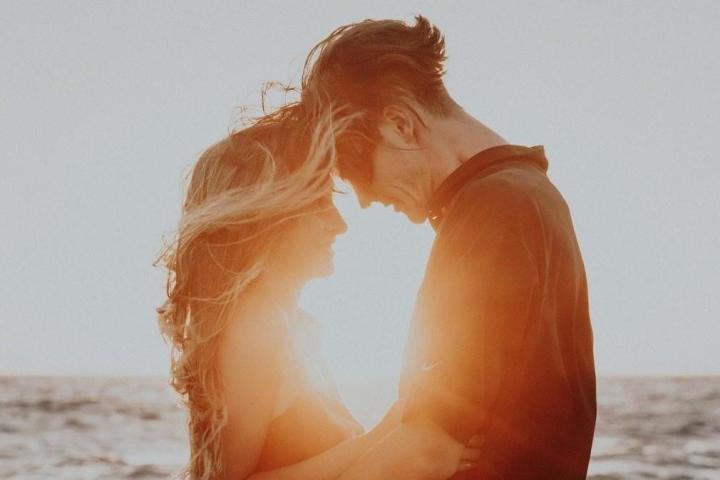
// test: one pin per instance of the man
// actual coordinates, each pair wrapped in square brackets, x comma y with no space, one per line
[501,342]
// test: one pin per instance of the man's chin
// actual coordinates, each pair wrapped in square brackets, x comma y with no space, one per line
[416,217]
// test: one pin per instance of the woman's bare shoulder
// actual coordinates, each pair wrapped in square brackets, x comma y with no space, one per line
[254,338]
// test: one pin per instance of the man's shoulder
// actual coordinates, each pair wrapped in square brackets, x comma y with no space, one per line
[513,180]
[515,189]
[507,189]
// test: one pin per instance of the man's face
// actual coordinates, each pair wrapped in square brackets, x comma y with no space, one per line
[400,179]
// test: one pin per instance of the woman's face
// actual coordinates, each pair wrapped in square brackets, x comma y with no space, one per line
[306,249]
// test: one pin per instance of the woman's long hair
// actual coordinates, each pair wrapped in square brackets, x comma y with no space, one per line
[243,191]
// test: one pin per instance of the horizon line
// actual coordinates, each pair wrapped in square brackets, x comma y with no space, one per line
[609,376]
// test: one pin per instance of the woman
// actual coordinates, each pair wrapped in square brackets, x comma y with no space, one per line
[258,222]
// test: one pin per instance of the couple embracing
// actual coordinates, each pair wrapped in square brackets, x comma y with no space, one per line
[498,379]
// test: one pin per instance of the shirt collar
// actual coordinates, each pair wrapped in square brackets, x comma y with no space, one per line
[477,165]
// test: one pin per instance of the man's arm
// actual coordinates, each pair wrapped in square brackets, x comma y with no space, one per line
[474,308]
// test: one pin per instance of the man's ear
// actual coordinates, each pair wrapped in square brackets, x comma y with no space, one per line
[400,124]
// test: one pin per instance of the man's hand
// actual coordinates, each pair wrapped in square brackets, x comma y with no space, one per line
[471,454]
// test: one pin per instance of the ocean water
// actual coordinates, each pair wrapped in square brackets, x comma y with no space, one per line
[131,428]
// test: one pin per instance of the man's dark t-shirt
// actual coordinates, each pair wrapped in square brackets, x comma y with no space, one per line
[501,342]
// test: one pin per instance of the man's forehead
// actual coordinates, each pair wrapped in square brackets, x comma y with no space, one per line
[355,159]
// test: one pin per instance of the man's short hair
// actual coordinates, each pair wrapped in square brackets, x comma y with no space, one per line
[368,65]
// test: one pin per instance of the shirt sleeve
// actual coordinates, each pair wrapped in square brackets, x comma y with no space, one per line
[473,310]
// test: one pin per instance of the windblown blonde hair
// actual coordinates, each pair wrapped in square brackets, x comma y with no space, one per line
[242,193]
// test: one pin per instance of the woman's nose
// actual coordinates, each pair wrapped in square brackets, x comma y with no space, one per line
[336,223]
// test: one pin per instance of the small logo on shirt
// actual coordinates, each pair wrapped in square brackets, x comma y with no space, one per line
[427,366]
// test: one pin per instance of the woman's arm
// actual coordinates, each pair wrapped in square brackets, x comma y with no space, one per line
[330,464]
[325,466]
[418,450]
[252,366]
[415,451]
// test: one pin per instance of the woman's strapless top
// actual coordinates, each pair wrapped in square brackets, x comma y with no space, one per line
[316,418]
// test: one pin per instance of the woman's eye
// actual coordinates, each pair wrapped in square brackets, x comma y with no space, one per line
[322,203]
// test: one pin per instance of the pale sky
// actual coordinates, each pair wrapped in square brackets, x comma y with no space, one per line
[105,105]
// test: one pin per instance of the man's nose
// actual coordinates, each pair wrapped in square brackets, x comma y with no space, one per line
[363,199]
